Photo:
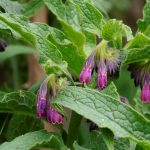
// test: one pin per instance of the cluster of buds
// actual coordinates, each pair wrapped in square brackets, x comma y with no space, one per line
[141,73]
[44,97]
[105,61]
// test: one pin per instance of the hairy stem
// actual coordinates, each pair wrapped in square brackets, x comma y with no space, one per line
[73,128]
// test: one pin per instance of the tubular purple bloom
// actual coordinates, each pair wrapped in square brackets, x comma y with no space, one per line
[41,107]
[102,75]
[86,73]
[53,116]
[145,93]
[141,73]
[41,101]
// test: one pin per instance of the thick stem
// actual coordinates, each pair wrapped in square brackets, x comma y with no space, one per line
[73,129]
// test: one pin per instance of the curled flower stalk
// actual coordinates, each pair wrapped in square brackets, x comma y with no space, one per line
[45,95]
[140,72]
[104,61]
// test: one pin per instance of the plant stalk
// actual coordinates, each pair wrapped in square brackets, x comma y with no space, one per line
[73,129]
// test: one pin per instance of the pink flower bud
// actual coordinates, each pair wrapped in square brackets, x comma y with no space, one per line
[102,75]
[53,116]
[86,73]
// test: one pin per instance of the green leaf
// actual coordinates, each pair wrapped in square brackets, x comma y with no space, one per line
[111,90]
[34,139]
[30,8]
[20,124]
[69,17]
[13,50]
[139,41]
[137,55]
[36,35]
[122,144]
[92,19]
[95,142]
[77,147]
[114,30]
[106,112]
[10,6]
[108,138]
[90,43]
[68,50]
[144,24]
[140,106]
[20,102]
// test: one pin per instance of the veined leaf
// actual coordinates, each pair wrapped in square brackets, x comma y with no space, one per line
[106,112]
[69,17]
[34,139]
[137,55]
[92,19]
[20,124]
[90,42]
[21,102]
[10,6]
[68,50]
[111,90]
[144,24]
[139,41]
[47,50]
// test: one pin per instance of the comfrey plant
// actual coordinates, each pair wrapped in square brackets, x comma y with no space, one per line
[80,59]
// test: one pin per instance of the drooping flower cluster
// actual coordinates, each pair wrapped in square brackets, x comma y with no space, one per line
[141,74]
[44,109]
[105,61]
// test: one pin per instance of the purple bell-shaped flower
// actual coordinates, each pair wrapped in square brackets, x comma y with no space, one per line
[86,73]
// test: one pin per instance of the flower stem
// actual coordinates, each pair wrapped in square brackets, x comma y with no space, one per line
[73,128]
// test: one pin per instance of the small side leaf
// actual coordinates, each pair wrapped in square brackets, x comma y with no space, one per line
[34,139]
[20,124]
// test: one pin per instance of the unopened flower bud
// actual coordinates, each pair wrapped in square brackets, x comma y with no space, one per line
[41,101]
[53,116]
[145,93]
[86,73]
[102,75]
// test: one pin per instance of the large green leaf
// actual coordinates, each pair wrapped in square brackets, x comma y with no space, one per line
[144,24]
[139,41]
[48,52]
[69,17]
[22,124]
[92,19]
[20,102]
[13,50]
[10,6]
[138,54]
[34,139]
[68,50]
[107,112]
